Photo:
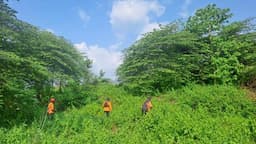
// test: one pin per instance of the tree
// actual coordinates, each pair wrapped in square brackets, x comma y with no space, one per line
[33,62]
[208,21]
[153,63]
[207,50]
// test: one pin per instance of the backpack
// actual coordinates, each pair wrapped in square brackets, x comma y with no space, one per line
[144,107]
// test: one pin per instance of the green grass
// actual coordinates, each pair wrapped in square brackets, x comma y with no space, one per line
[194,114]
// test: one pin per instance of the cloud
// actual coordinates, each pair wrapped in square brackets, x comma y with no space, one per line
[82,47]
[148,28]
[50,30]
[106,59]
[184,9]
[83,16]
[116,46]
[131,16]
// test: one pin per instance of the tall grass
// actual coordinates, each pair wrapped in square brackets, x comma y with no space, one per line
[193,114]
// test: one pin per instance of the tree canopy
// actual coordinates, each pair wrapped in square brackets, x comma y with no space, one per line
[206,49]
[33,63]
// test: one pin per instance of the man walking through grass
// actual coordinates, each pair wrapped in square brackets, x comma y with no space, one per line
[107,107]
[51,109]
[147,106]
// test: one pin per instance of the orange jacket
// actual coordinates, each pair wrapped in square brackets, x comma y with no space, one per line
[149,106]
[107,106]
[50,108]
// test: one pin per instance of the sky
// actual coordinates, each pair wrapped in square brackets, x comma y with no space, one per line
[104,28]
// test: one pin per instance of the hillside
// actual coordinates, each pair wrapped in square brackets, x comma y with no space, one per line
[209,114]
[195,69]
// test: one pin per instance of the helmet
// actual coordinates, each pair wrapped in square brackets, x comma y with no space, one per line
[52,100]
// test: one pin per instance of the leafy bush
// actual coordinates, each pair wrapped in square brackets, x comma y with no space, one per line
[193,114]
[216,99]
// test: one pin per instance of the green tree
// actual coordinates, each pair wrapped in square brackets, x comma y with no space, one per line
[208,21]
[153,63]
[33,63]
[206,50]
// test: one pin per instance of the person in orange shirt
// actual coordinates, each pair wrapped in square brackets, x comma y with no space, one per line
[147,106]
[51,109]
[107,107]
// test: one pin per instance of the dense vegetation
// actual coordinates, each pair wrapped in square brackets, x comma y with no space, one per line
[34,63]
[205,49]
[194,69]
[193,114]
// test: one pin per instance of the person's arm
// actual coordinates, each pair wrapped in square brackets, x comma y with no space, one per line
[110,106]
[53,108]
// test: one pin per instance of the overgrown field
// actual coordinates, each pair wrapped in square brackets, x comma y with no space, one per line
[194,114]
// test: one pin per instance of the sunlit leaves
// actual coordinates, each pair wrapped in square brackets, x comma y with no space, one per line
[208,20]
[193,114]
[154,61]
[33,62]
[207,50]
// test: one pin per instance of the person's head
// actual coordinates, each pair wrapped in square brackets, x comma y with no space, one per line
[52,100]
[149,98]
[107,99]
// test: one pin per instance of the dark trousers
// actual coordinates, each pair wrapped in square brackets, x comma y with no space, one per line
[107,113]
[51,116]
[144,111]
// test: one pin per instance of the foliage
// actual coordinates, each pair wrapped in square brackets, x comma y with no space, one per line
[75,95]
[33,63]
[193,114]
[206,49]
[154,62]
[36,65]
[208,20]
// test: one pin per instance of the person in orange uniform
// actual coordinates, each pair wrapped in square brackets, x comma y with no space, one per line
[107,107]
[51,109]
[147,106]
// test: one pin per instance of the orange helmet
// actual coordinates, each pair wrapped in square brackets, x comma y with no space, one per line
[52,100]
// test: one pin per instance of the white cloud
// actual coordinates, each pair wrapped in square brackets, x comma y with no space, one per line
[81,46]
[50,30]
[148,28]
[131,16]
[184,9]
[83,16]
[116,46]
[106,59]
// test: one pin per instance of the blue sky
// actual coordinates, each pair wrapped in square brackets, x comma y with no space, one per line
[103,28]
